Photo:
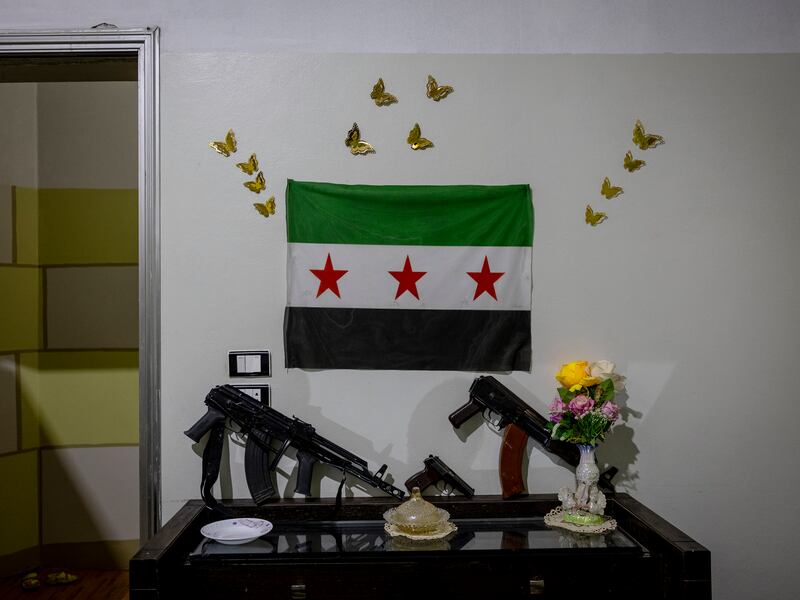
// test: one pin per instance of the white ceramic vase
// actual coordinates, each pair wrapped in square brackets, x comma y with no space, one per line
[587,497]
[586,476]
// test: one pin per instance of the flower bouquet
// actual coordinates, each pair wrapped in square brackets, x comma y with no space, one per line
[584,409]
[582,414]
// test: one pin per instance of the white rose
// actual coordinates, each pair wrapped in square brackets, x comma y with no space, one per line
[604,369]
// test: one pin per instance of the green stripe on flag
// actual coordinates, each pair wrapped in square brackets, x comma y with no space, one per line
[447,215]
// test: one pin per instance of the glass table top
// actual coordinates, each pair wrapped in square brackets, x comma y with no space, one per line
[351,537]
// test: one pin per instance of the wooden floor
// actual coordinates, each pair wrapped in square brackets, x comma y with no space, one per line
[100,585]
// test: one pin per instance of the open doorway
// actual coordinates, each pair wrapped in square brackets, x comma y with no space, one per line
[79,266]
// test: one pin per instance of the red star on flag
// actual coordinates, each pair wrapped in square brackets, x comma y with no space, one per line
[328,277]
[485,279]
[407,279]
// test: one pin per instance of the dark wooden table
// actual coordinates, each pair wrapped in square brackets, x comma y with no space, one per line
[502,549]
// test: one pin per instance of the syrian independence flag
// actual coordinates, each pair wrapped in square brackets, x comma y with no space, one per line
[408,277]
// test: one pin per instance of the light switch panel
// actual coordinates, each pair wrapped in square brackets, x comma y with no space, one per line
[259,391]
[249,363]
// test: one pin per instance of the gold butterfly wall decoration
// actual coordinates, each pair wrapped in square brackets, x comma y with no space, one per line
[435,91]
[249,167]
[258,185]
[632,164]
[608,190]
[267,208]
[416,140]
[381,96]
[594,218]
[355,143]
[226,147]
[645,140]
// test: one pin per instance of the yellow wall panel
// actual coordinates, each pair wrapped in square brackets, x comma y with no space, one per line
[79,226]
[92,307]
[27,224]
[76,226]
[19,504]
[20,308]
[79,398]
[28,367]
[8,403]
[90,494]
[6,225]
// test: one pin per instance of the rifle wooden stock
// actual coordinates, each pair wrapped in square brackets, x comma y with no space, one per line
[512,451]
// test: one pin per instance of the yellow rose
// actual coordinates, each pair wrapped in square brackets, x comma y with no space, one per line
[575,374]
[587,381]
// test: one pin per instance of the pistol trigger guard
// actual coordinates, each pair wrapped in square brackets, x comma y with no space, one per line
[445,489]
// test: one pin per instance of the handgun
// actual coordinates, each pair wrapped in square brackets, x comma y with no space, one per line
[437,472]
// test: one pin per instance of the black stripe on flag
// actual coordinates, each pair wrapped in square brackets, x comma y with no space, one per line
[452,340]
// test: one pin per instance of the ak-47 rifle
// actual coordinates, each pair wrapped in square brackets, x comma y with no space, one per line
[520,422]
[263,424]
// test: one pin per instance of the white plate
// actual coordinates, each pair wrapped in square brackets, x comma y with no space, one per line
[236,531]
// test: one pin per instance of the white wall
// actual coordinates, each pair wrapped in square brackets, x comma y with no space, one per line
[416,26]
[689,286]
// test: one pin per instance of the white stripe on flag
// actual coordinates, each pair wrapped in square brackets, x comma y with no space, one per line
[446,284]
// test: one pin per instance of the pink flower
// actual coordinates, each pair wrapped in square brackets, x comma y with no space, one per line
[610,411]
[580,405]
[556,409]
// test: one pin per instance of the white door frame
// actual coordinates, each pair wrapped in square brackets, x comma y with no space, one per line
[142,43]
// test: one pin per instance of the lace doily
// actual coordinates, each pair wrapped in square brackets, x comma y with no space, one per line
[448,528]
[555,519]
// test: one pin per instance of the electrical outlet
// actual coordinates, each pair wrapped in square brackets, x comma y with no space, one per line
[249,363]
[259,391]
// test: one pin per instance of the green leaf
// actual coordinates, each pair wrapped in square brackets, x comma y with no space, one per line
[589,429]
[565,429]
[605,391]
[565,394]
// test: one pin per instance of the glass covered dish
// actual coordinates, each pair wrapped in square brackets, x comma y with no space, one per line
[417,518]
